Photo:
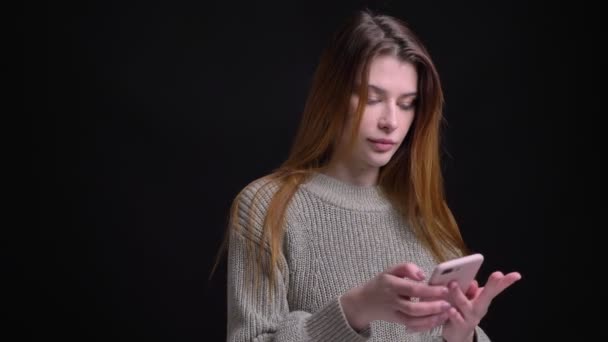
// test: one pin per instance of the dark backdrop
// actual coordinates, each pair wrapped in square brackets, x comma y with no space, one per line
[152,116]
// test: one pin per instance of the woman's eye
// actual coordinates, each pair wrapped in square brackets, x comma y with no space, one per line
[408,106]
[404,106]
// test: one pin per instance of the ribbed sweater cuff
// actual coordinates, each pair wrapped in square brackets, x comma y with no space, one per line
[330,324]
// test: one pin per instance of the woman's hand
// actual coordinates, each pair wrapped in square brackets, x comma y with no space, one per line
[471,307]
[388,296]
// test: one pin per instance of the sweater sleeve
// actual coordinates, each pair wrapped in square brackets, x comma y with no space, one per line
[480,335]
[258,309]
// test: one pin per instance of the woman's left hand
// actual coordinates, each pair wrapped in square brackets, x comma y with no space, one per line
[468,309]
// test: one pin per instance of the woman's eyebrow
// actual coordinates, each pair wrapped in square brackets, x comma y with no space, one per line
[382,91]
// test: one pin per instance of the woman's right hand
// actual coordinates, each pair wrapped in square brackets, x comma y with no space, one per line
[387,297]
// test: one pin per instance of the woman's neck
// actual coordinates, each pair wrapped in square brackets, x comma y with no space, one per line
[361,176]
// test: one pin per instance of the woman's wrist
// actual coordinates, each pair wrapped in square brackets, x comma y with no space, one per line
[471,338]
[351,306]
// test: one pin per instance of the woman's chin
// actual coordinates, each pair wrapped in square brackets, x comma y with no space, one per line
[379,161]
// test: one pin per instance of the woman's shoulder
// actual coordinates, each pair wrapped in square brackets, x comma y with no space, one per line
[258,192]
[252,204]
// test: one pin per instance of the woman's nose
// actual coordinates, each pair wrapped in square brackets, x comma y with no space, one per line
[388,119]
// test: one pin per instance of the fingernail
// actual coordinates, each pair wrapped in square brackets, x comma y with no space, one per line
[444,290]
[445,306]
[420,274]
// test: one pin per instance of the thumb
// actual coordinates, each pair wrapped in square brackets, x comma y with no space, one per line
[407,270]
[472,290]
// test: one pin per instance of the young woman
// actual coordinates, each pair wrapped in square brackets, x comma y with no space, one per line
[335,244]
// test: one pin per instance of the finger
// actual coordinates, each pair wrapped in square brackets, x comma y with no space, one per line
[497,283]
[405,287]
[426,327]
[472,290]
[421,309]
[407,270]
[478,294]
[460,301]
[489,289]
[455,317]
[419,324]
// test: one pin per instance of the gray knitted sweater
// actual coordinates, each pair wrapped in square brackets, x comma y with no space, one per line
[337,236]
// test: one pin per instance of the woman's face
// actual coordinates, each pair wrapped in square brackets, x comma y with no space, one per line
[387,117]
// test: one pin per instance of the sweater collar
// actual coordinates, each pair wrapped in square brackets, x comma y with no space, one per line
[347,195]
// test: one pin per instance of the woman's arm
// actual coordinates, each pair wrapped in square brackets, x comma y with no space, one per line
[254,314]
[258,309]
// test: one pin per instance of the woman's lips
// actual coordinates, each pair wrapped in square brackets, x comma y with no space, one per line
[382,145]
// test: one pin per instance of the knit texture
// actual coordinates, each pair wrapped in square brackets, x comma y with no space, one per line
[337,236]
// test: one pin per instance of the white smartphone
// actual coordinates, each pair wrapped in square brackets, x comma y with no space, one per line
[463,270]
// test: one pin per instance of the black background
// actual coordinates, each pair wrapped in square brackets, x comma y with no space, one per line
[148,118]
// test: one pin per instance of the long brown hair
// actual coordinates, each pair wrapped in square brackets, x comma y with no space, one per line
[412,180]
